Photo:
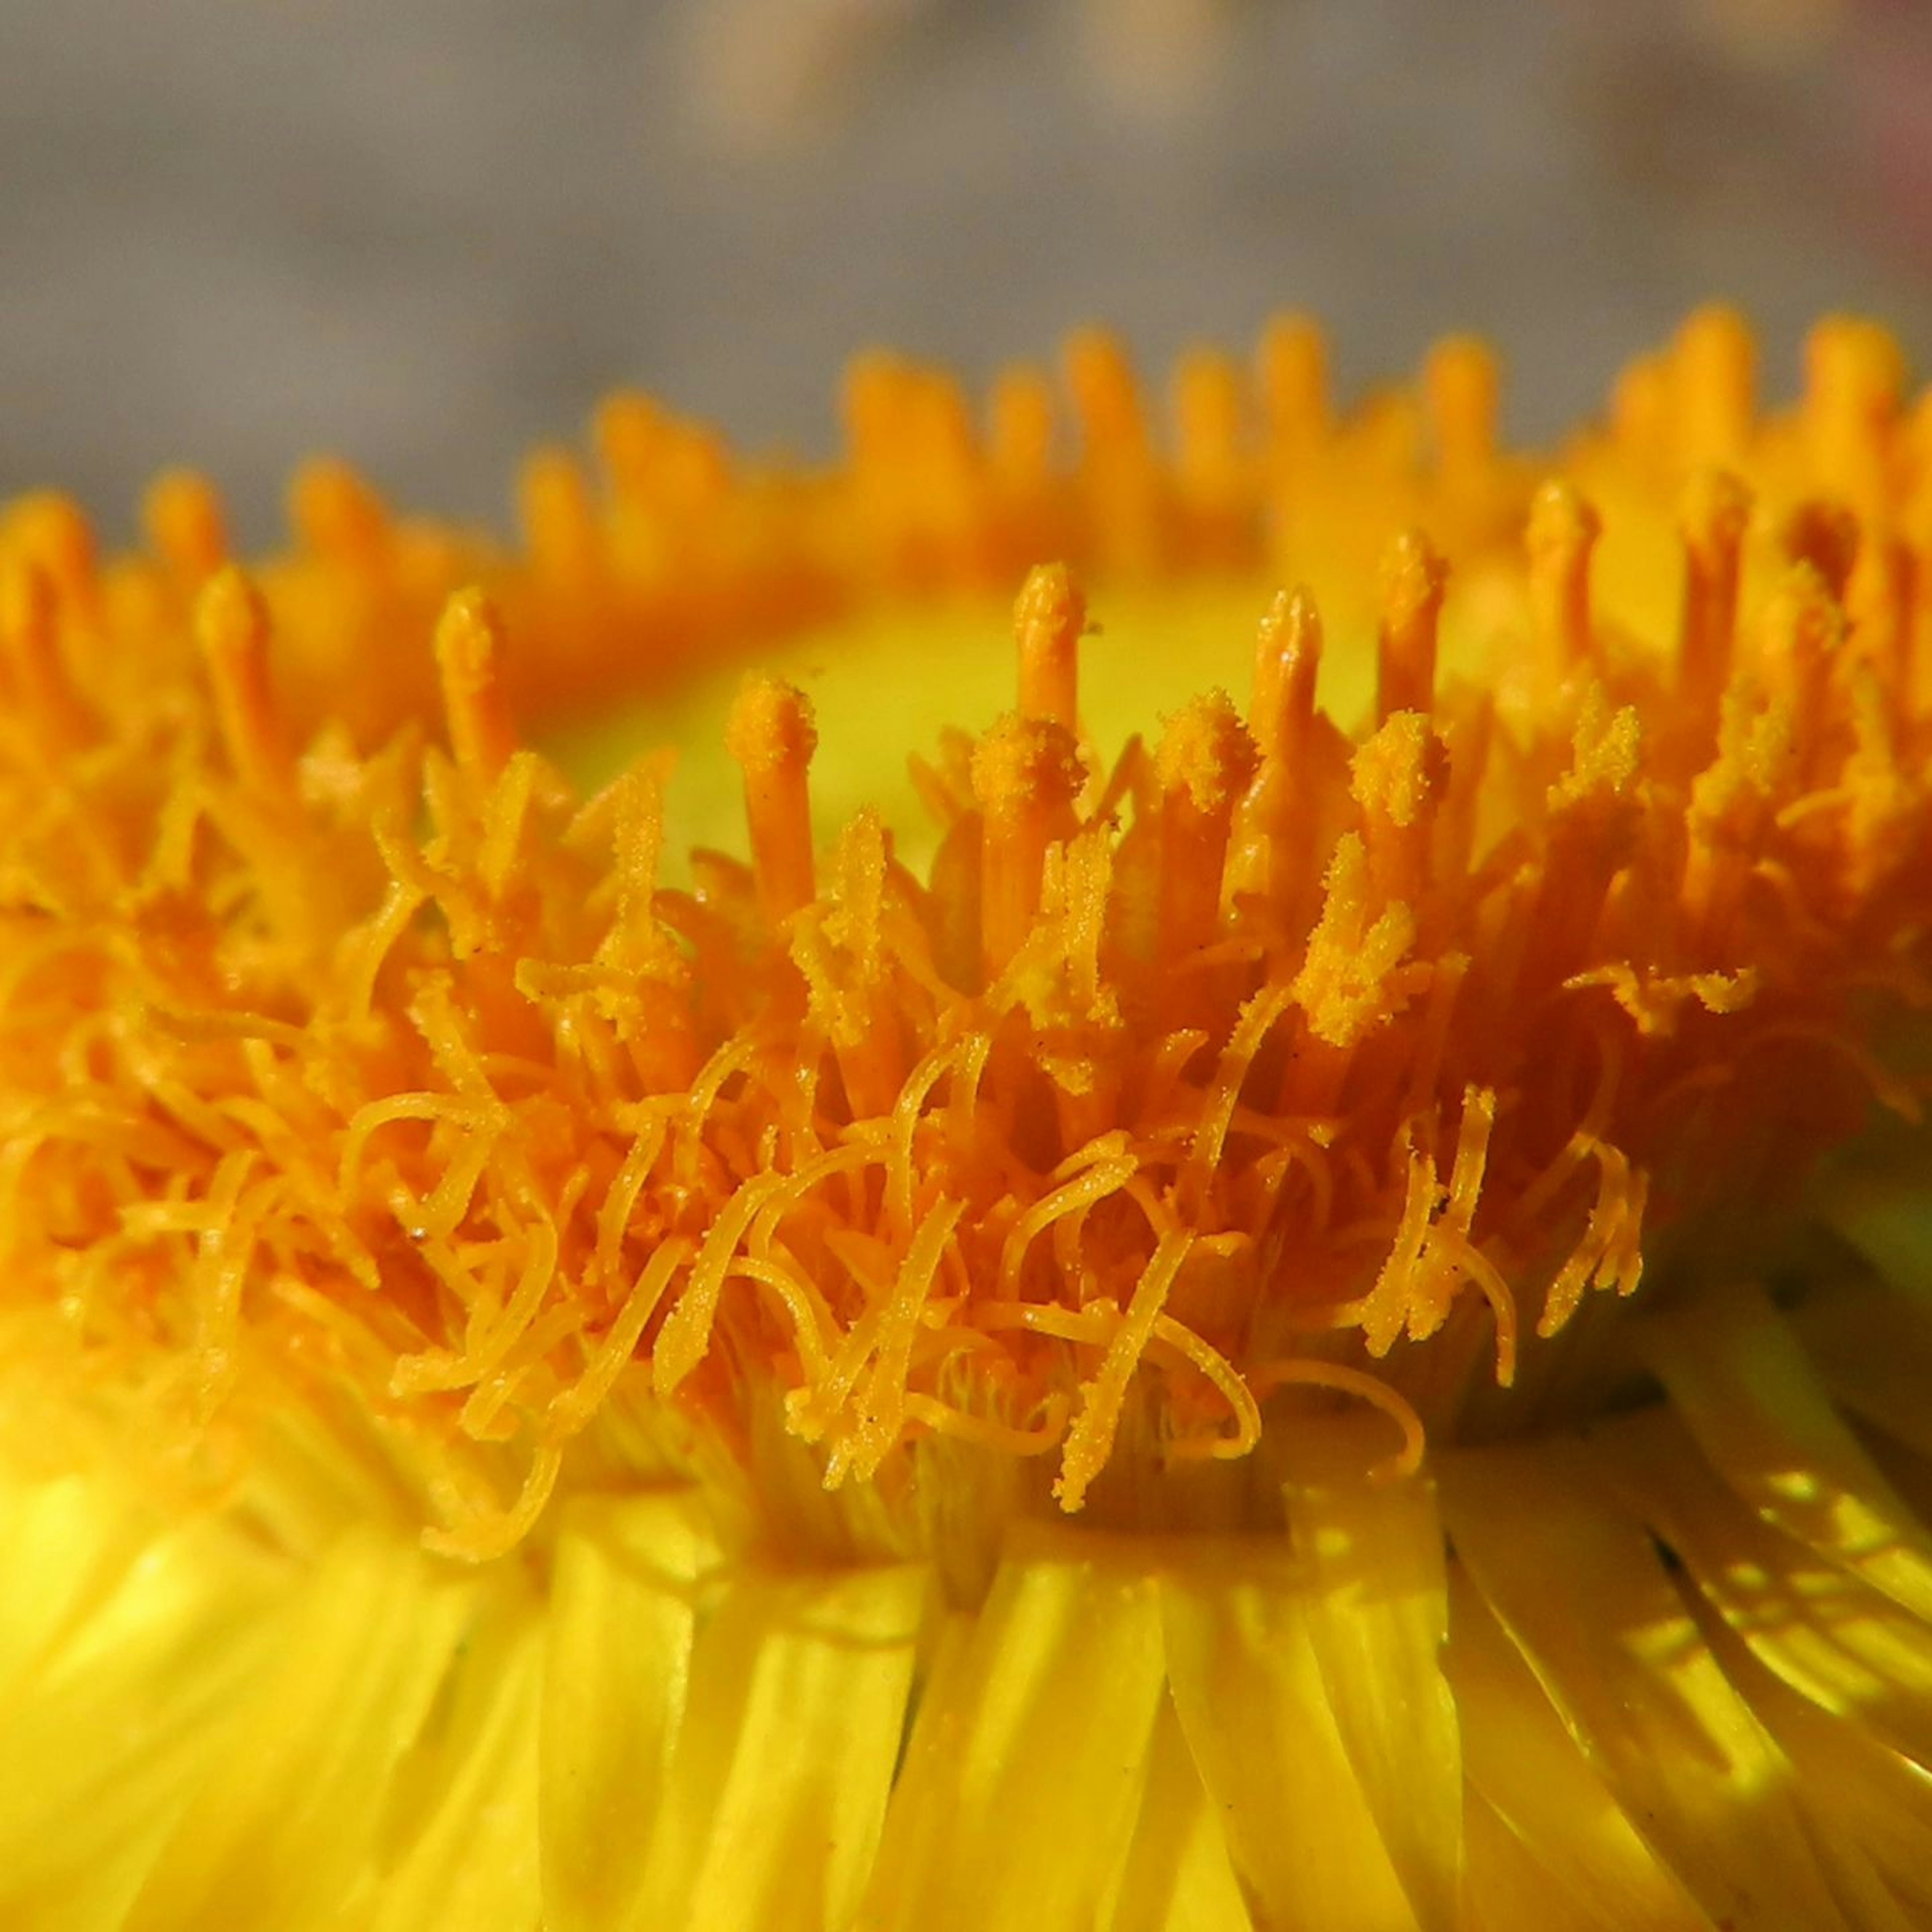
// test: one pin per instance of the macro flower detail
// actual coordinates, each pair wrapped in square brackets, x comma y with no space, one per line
[641,1294]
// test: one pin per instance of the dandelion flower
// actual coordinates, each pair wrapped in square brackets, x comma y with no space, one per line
[700,1234]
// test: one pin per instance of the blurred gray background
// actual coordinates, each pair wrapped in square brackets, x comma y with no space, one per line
[424,233]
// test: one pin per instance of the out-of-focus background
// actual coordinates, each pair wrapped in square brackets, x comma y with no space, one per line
[422,234]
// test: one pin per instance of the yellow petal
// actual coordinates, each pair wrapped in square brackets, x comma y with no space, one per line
[123,1717]
[462,1830]
[1528,1774]
[1023,1775]
[1580,1588]
[1377,1615]
[295,1804]
[1177,1877]
[775,1791]
[1744,1388]
[624,1582]
[1247,1684]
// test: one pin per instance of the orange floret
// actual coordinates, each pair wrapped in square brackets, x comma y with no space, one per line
[1341,1055]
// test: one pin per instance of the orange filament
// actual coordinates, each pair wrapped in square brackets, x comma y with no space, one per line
[1211,458]
[1399,777]
[1563,532]
[1205,760]
[30,640]
[233,623]
[1105,395]
[1853,375]
[1020,428]
[336,514]
[1047,622]
[468,654]
[1716,370]
[559,519]
[1025,774]
[1716,508]
[1311,1371]
[1825,536]
[1276,816]
[1288,658]
[48,530]
[183,517]
[1294,383]
[1413,578]
[1091,1437]
[1460,383]
[772,737]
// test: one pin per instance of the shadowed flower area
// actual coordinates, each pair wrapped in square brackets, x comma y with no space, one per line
[745,1218]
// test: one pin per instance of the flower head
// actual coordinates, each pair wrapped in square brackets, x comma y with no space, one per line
[751,1258]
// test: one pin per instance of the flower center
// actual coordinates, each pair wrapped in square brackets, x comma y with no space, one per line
[1065,1098]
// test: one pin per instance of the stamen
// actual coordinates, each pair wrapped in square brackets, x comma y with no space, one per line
[1020,427]
[1825,536]
[1854,375]
[1716,509]
[1210,458]
[1208,416]
[1049,616]
[232,625]
[1311,1371]
[627,429]
[1876,603]
[186,529]
[1091,1437]
[1293,370]
[334,513]
[1277,817]
[1106,395]
[1205,761]
[1914,691]
[1716,370]
[1343,986]
[1026,772]
[1288,660]
[1399,778]
[693,471]
[1592,830]
[1804,628]
[1413,578]
[1460,383]
[1642,420]
[1125,491]
[559,520]
[771,735]
[468,655]
[51,530]
[30,639]
[947,441]
[1562,533]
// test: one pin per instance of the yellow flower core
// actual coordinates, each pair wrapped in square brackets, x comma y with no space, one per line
[385,1118]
